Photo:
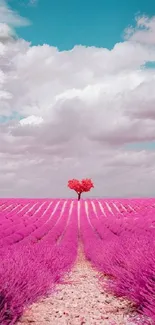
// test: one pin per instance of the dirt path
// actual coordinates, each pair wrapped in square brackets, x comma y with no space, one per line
[80,300]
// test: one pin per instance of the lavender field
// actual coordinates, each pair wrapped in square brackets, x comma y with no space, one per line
[39,240]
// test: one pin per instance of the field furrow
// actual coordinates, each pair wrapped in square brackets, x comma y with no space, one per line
[39,241]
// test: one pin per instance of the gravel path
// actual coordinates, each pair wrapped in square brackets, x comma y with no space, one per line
[80,300]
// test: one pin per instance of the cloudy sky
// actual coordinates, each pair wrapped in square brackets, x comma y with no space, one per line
[77,97]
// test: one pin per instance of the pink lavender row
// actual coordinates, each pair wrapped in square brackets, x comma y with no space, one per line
[31,271]
[128,205]
[10,211]
[42,219]
[128,257]
[122,204]
[118,222]
[10,204]
[50,230]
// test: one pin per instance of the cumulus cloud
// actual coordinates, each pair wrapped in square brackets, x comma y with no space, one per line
[75,113]
[8,16]
[143,32]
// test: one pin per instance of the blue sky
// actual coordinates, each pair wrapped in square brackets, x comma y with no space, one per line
[141,146]
[65,23]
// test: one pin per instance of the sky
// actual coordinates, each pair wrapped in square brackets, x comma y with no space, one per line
[77,97]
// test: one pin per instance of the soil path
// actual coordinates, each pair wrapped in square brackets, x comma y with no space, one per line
[80,300]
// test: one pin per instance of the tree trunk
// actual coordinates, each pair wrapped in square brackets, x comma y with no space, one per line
[79,196]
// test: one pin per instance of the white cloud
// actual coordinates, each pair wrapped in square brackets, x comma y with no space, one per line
[31,120]
[10,17]
[144,32]
[79,110]
[33,2]
[6,32]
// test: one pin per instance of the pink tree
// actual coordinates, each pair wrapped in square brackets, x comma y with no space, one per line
[79,187]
